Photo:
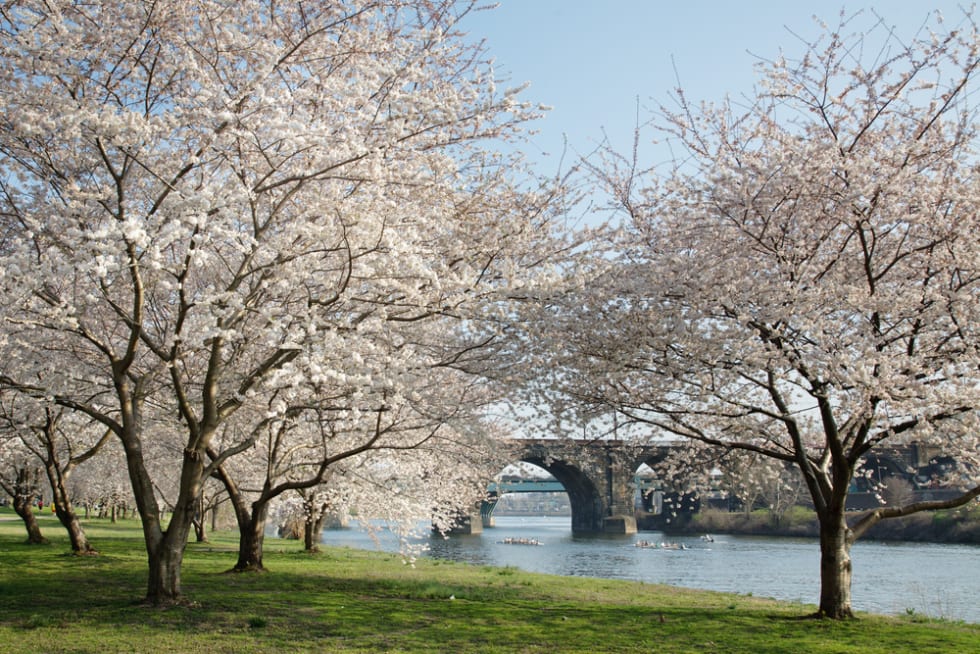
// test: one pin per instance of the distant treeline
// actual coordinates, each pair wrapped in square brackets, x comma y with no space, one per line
[957,526]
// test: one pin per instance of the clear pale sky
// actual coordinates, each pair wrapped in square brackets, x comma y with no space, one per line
[593,60]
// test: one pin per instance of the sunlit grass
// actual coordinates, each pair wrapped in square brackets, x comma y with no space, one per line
[345,600]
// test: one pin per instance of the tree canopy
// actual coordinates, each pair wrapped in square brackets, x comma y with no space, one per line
[804,282]
[254,215]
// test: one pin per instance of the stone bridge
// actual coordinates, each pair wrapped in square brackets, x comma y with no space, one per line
[600,477]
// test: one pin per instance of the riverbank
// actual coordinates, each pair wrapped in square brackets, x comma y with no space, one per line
[960,526]
[346,600]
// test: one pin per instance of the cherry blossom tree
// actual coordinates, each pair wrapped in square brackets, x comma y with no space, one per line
[20,477]
[333,420]
[206,205]
[420,473]
[428,488]
[804,283]
[55,438]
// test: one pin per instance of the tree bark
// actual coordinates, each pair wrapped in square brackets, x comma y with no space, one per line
[200,531]
[23,508]
[165,555]
[25,489]
[80,544]
[200,522]
[66,514]
[165,560]
[835,566]
[252,538]
[313,525]
[164,548]
[251,524]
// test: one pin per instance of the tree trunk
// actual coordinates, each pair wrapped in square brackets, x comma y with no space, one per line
[835,567]
[251,525]
[80,544]
[23,506]
[164,547]
[23,492]
[200,531]
[164,583]
[66,514]
[165,555]
[313,526]
[252,538]
[165,559]
[200,522]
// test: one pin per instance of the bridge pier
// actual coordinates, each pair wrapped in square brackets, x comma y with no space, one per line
[465,523]
[486,509]
[619,524]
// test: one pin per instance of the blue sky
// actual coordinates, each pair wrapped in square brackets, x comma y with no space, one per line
[591,60]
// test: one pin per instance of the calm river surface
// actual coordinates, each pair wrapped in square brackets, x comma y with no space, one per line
[937,580]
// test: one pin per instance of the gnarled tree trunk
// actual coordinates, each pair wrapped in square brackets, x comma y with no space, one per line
[252,538]
[313,525]
[200,522]
[24,491]
[26,513]
[164,548]
[165,558]
[835,566]
[251,524]
[66,514]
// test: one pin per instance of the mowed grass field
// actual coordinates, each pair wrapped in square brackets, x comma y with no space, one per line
[344,600]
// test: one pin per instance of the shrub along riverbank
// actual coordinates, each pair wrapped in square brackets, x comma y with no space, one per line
[955,526]
[353,601]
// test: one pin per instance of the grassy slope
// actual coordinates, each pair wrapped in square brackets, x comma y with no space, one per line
[351,601]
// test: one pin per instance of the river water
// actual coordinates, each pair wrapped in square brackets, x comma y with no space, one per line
[892,578]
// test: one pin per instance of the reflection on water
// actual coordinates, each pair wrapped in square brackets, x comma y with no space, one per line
[936,580]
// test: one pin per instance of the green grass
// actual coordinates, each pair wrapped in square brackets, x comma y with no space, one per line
[346,600]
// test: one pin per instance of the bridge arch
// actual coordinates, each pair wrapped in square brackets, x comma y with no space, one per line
[600,477]
[597,476]
[583,496]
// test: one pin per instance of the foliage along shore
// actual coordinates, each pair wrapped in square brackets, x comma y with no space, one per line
[960,526]
[345,600]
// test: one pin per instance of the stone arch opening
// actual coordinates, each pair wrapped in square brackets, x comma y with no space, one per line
[583,495]
[526,489]
[596,476]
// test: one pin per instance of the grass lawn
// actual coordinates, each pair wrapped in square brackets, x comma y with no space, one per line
[344,600]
